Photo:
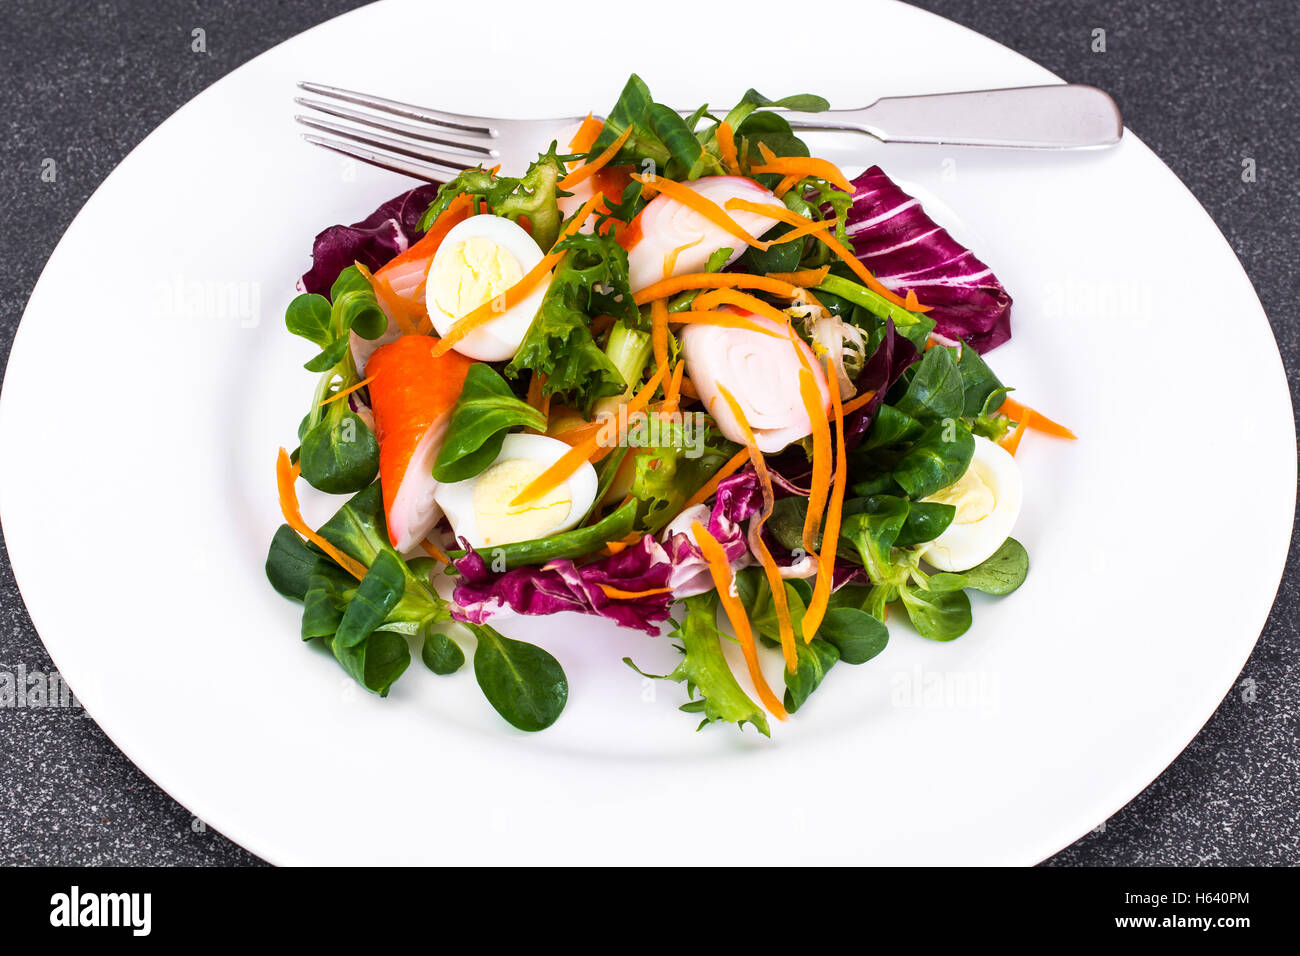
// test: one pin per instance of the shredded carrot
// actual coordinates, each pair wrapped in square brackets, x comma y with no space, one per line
[347,391]
[820,230]
[602,323]
[720,571]
[1034,419]
[807,278]
[756,543]
[807,229]
[816,611]
[619,594]
[493,308]
[821,436]
[536,397]
[586,171]
[731,466]
[689,389]
[855,404]
[394,307]
[786,184]
[670,258]
[716,280]
[706,207]
[743,300]
[802,165]
[912,303]
[659,333]
[587,449]
[1011,441]
[285,476]
[433,551]
[673,393]
[727,147]
[727,320]
[587,134]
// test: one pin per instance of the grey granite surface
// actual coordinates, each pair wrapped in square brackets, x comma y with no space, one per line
[1206,84]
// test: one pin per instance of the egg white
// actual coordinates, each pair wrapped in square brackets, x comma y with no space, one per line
[966,544]
[457,498]
[497,340]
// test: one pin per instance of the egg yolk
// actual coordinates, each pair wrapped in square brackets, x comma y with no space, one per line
[500,522]
[970,495]
[469,274]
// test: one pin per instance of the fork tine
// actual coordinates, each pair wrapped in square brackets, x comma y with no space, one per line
[388,143]
[477,148]
[477,125]
[429,172]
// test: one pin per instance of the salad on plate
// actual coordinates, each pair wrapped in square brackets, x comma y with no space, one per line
[681,375]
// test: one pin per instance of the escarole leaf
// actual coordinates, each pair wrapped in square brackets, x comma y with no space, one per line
[533,196]
[559,344]
[524,683]
[710,684]
[486,411]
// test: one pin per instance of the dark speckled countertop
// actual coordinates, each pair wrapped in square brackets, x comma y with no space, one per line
[1206,84]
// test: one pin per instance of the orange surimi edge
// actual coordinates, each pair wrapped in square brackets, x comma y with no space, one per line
[774,580]
[1034,419]
[285,476]
[803,166]
[492,309]
[745,301]
[727,320]
[620,594]
[821,595]
[585,172]
[716,280]
[347,391]
[701,204]
[585,450]
[727,147]
[822,233]
[733,465]
[720,571]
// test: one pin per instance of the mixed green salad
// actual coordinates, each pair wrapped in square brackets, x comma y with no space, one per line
[680,374]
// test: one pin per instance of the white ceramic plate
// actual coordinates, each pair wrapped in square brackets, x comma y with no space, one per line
[152,381]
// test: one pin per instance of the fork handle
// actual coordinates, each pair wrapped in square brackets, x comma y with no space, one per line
[1062,116]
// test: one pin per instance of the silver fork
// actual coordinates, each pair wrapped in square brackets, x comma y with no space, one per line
[434,145]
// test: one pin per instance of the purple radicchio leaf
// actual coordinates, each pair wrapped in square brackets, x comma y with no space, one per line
[385,233]
[905,249]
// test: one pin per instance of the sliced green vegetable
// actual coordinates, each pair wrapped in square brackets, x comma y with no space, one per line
[567,544]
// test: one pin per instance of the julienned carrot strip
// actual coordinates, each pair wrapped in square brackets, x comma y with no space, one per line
[706,491]
[285,476]
[659,333]
[1011,441]
[812,618]
[393,306]
[727,147]
[821,436]
[347,391]
[619,594]
[536,396]
[585,172]
[727,320]
[803,165]
[776,211]
[756,543]
[706,207]
[855,404]
[433,551]
[673,393]
[585,450]
[1032,418]
[720,571]
[586,136]
[689,389]
[807,278]
[492,309]
[670,257]
[786,184]
[716,280]
[808,228]
[742,299]
[457,210]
